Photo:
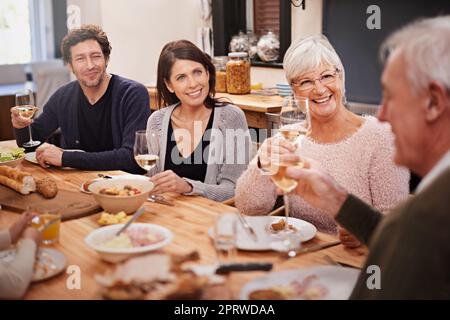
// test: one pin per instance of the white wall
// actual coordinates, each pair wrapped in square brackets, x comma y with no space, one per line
[138,29]
[89,10]
[307,22]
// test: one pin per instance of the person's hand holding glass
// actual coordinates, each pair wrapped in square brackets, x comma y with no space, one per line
[22,114]
[146,149]
[295,125]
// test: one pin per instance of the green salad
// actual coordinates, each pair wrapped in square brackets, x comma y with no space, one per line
[11,154]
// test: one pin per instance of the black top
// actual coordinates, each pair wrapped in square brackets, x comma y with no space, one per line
[94,122]
[194,166]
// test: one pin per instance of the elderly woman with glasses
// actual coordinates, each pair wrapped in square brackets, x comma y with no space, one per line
[356,150]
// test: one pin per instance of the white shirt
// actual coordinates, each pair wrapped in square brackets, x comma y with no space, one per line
[437,170]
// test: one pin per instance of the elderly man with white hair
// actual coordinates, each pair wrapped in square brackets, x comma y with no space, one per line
[357,151]
[411,245]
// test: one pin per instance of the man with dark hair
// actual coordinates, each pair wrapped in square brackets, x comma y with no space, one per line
[99,113]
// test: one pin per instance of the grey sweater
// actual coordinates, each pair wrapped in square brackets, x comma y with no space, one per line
[230,150]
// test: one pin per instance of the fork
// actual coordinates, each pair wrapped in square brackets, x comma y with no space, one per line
[160,199]
[247,227]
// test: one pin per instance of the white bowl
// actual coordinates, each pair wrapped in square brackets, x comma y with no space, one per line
[96,238]
[115,204]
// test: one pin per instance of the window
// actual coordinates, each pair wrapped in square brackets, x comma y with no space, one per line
[266,16]
[15,32]
[26,27]
[232,16]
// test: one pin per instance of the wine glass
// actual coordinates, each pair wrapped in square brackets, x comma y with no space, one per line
[294,118]
[295,121]
[27,109]
[146,149]
[225,235]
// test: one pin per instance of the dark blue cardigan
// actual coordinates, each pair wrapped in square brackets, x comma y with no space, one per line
[130,111]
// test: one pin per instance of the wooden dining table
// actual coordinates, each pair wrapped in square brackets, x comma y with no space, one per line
[189,220]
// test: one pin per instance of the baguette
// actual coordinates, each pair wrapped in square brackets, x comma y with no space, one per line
[22,182]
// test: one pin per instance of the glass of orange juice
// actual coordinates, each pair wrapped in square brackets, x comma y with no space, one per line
[46,213]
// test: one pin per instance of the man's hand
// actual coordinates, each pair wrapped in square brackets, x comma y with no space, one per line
[169,181]
[317,187]
[347,239]
[48,154]
[17,121]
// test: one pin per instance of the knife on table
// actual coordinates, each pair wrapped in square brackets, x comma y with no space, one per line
[227,268]
[318,247]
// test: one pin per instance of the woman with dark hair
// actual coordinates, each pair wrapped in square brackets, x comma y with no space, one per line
[198,135]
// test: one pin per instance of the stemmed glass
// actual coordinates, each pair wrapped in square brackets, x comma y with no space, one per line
[27,109]
[295,121]
[225,235]
[146,149]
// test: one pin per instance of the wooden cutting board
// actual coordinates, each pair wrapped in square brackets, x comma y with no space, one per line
[74,204]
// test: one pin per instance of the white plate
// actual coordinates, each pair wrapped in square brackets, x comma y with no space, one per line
[96,238]
[333,283]
[124,176]
[31,157]
[49,262]
[261,225]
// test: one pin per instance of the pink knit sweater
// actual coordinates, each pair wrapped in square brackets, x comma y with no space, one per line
[362,163]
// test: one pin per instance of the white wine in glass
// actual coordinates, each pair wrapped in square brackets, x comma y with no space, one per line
[146,149]
[27,109]
[295,124]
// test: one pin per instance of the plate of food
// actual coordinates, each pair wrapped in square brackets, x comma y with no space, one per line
[11,156]
[267,229]
[316,283]
[84,187]
[49,262]
[138,238]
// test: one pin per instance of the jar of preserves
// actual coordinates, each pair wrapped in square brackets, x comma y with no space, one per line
[238,73]
[220,63]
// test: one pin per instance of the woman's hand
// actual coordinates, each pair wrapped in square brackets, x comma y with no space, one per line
[17,228]
[169,181]
[273,149]
[348,240]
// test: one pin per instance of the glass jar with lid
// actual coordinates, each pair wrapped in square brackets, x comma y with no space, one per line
[239,43]
[220,63]
[238,73]
[268,47]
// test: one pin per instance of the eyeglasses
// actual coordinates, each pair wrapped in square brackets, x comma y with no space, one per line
[327,77]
